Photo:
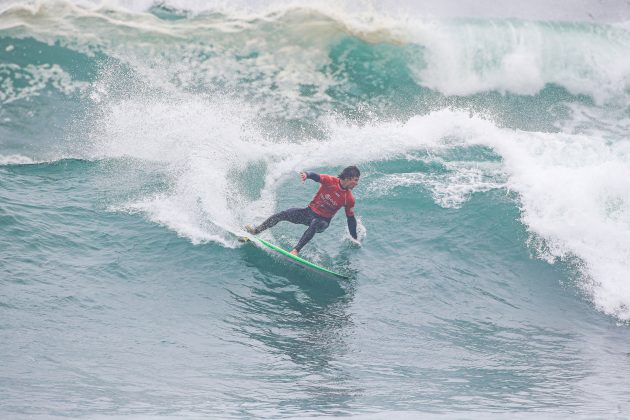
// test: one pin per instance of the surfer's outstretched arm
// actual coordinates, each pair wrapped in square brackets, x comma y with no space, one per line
[310,175]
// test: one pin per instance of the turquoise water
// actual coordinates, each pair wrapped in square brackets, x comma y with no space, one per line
[494,205]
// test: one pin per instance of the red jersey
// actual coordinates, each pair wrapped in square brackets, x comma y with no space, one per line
[331,197]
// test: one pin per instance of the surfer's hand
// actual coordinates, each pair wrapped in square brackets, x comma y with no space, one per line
[354,242]
[303,176]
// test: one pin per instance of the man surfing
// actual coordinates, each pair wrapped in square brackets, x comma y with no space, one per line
[334,193]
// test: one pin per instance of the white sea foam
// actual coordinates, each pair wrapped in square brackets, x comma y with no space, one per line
[197,146]
[464,58]
[17,160]
[33,79]
[450,189]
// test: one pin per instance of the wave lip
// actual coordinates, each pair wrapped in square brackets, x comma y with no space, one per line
[468,57]
[17,160]
[574,193]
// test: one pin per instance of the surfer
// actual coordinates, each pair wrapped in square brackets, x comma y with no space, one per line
[334,192]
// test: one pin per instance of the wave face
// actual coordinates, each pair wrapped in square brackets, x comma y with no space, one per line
[495,194]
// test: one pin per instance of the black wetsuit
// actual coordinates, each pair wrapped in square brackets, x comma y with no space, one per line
[305,216]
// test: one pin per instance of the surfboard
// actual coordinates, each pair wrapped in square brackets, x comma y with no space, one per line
[295,259]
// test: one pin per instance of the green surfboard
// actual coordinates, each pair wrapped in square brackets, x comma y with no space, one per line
[298,260]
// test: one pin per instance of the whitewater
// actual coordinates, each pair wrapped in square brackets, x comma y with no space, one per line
[492,274]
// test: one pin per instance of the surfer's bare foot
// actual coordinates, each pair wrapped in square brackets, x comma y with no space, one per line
[250,229]
[294,252]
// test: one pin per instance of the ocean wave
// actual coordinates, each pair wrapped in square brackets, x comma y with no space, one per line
[315,56]
[572,189]
[211,95]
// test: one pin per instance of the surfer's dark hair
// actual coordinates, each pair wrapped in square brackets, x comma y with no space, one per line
[350,172]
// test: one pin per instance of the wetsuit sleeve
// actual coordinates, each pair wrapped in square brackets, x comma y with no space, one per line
[312,175]
[352,226]
[350,206]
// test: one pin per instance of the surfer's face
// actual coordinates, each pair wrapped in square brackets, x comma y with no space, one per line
[349,183]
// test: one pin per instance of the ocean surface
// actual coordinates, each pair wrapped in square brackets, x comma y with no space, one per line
[492,278]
